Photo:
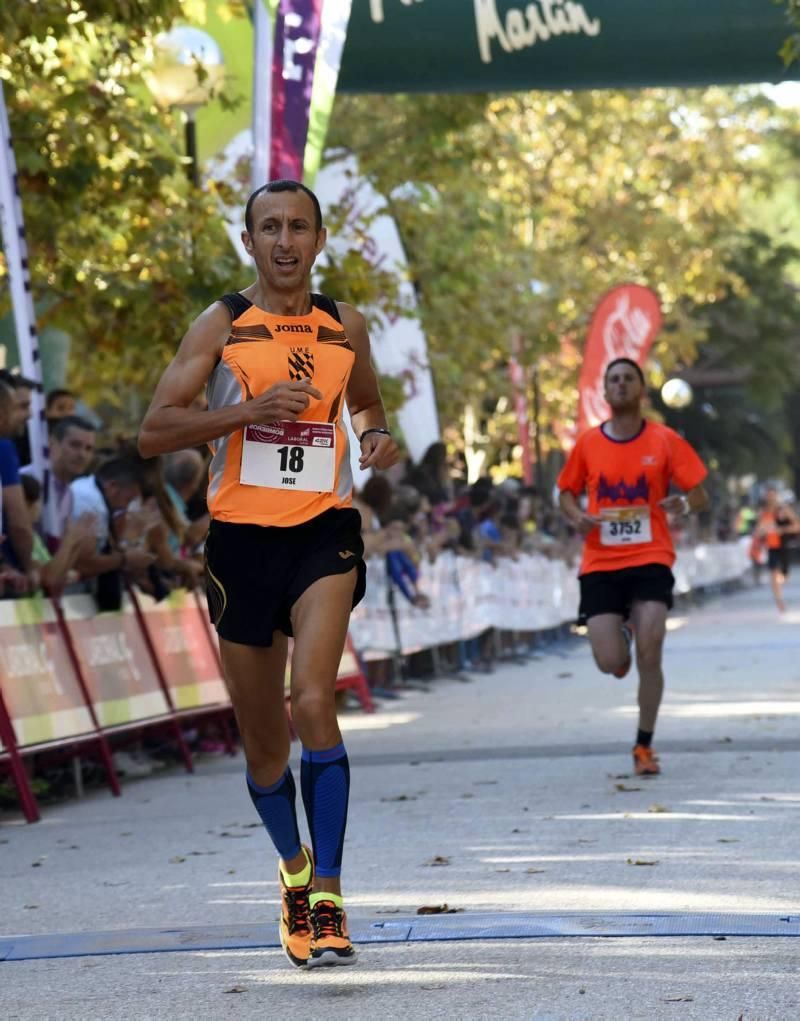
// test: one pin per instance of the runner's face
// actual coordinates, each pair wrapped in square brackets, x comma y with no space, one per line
[623,388]
[284,241]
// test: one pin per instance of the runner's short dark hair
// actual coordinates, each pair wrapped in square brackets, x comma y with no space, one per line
[275,187]
[624,361]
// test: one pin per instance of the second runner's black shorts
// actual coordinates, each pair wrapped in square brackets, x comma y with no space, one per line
[616,591]
[255,574]
[778,560]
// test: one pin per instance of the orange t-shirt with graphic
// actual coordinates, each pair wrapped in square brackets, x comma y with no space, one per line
[625,480]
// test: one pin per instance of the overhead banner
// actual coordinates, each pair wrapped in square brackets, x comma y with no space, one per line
[509,45]
[624,325]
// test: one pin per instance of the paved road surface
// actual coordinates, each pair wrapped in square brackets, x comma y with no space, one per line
[521,782]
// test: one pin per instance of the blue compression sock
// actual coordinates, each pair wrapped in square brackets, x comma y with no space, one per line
[275,805]
[325,783]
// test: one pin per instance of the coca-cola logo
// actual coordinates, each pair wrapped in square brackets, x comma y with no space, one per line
[624,326]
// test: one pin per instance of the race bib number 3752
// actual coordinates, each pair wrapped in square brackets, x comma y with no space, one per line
[625,526]
[290,455]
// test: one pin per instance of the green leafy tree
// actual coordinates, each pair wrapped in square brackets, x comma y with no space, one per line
[124,251]
[746,375]
[540,203]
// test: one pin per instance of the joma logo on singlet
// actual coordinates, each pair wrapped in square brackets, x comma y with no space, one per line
[293,328]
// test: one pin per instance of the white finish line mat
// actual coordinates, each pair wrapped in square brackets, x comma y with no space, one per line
[416,929]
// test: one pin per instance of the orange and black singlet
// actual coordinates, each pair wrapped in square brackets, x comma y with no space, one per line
[284,473]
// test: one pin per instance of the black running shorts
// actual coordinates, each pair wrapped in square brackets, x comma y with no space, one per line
[778,560]
[617,591]
[255,574]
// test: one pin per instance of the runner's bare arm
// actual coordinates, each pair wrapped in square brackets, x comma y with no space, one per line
[696,500]
[793,527]
[578,518]
[364,397]
[171,424]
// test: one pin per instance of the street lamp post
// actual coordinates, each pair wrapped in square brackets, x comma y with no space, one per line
[186,71]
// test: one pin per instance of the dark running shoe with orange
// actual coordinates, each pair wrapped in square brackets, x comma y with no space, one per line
[645,761]
[627,634]
[295,926]
[330,940]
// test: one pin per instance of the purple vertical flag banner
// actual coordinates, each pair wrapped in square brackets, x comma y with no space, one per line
[297,29]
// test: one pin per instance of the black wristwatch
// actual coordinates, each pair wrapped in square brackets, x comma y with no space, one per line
[383,432]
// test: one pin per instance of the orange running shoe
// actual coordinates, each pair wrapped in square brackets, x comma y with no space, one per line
[330,940]
[295,926]
[627,634]
[645,761]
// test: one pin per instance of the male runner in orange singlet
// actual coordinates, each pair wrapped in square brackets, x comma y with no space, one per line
[284,551]
[626,465]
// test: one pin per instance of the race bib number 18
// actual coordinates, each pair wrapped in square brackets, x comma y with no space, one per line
[625,526]
[290,455]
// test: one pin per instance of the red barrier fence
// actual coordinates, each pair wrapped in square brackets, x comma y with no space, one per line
[70,676]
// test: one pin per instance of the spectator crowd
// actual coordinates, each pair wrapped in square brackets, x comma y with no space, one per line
[96,517]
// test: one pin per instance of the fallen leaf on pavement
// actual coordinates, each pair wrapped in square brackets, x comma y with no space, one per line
[176,860]
[640,861]
[236,989]
[623,787]
[658,809]
[438,909]
[679,999]
[438,859]
[533,872]
[502,870]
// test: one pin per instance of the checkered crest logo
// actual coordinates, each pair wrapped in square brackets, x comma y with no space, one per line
[301,364]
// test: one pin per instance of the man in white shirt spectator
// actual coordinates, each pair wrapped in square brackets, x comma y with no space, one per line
[106,495]
[72,443]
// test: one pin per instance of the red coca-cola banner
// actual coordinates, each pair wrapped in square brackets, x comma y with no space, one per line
[624,325]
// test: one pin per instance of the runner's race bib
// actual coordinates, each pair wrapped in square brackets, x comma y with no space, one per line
[625,526]
[290,455]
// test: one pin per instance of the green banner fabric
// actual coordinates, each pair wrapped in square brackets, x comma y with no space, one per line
[514,45]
